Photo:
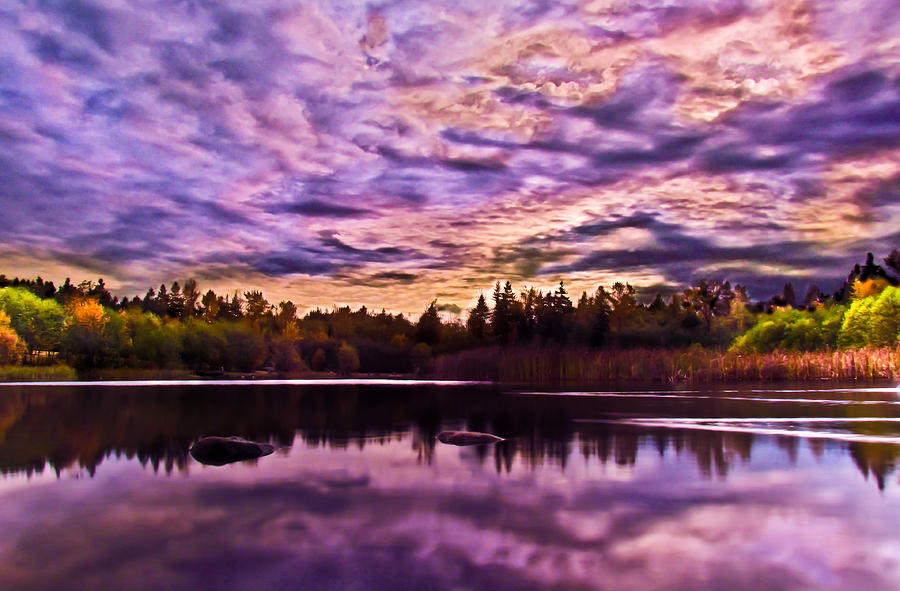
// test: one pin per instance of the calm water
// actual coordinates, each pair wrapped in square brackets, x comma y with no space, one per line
[743,488]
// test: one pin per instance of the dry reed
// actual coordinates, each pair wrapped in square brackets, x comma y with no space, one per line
[534,365]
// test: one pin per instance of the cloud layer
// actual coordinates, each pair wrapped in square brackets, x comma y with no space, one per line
[382,153]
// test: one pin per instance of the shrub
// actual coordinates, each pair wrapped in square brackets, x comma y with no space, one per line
[285,356]
[420,357]
[318,360]
[348,359]
[11,346]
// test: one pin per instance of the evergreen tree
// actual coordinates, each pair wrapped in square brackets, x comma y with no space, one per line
[161,303]
[209,306]
[191,294]
[175,308]
[500,315]
[507,314]
[428,329]
[477,323]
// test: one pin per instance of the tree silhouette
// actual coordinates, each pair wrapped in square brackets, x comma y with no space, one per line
[191,294]
[477,323]
[428,329]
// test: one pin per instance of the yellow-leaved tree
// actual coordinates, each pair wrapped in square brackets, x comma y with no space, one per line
[12,348]
[85,331]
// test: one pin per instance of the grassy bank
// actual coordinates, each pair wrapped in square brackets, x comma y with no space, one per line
[37,373]
[549,366]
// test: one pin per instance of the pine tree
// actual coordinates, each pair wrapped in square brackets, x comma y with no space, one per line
[477,323]
[428,329]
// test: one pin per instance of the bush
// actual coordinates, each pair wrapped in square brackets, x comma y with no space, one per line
[11,346]
[793,330]
[155,343]
[884,325]
[202,345]
[873,321]
[245,349]
[38,322]
[285,356]
[318,360]
[348,359]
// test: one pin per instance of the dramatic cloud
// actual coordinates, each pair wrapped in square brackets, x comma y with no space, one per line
[383,153]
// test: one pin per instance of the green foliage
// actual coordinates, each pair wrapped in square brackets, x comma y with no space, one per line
[176,329]
[202,345]
[873,321]
[245,349]
[855,329]
[38,321]
[154,341]
[884,325]
[793,330]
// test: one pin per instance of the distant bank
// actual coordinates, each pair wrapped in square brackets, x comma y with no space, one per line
[555,366]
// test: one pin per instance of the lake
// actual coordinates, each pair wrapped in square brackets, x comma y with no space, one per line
[746,487]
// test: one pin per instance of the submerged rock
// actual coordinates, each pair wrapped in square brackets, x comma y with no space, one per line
[467,438]
[218,451]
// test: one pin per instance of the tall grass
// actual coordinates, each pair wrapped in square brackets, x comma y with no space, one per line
[61,372]
[36,373]
[694,364]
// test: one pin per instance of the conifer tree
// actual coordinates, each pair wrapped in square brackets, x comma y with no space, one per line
[477,323]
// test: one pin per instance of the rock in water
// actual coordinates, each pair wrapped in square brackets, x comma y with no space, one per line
[218,451]
[467,438]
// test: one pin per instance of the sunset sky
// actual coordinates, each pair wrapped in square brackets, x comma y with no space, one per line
[389,153]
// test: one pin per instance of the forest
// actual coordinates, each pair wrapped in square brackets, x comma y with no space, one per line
[711,330]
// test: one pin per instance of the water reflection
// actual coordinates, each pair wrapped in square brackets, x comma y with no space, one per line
[65,427]
[581,497]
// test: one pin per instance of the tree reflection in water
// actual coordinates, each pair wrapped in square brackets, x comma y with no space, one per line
[65,427]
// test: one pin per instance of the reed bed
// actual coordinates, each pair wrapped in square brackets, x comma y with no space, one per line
[550,366]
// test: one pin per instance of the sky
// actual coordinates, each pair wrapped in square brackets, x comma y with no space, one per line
[389,153]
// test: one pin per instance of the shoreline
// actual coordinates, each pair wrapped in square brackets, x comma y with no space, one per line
[880,383]
[349,381]
[544,367]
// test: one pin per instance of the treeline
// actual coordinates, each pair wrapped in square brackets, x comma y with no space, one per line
[863,312]
[179,326]
[174,327]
